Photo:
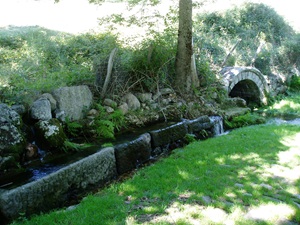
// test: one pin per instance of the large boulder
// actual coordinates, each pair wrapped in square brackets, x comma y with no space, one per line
[132,102]
[50,134]
[41,109]
[12,142]
[73,101]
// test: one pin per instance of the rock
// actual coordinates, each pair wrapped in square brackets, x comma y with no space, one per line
[20,109]
[41,109]
[73,101]
[144,97]
[132,154]
[50,99]
[124,108]
[168,135]
[132,102]
[60,115]
[156,96]
[235,102]
[266,186]
[238,185]
[10,116]
[93,113]
[109,109]
[166,91]
[207,200]
[50,134]
[12,140]
[110,103]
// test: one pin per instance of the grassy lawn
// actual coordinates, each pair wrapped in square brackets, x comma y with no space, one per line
[250,176]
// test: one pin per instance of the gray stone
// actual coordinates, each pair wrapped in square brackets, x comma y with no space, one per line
[9,116]
[239,185]
[73,101]
[50,134]
[109,109]
[132,101]
[144,97]
[199,124]
[166,91]
[12,142]
[41,109]
[110,103]
[52,190]
[206,199]
[168,135]
[20,109]
[132,154]
[124,108]
[266,186]
[50,99]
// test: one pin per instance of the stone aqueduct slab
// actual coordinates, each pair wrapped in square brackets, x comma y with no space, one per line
[95,170]
[130,155]
[52,190]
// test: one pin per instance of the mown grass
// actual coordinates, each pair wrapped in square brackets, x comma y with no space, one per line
[223,180]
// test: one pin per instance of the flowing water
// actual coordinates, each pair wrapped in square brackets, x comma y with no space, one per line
[218,128]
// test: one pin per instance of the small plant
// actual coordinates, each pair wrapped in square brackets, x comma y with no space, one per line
[73,128]
[189,138]
[106,124]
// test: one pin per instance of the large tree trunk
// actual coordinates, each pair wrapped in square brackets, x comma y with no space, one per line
[186,77]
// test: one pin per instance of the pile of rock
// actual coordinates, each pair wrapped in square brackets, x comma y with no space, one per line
[46,113]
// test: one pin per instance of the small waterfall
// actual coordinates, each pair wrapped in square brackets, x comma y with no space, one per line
[218,128]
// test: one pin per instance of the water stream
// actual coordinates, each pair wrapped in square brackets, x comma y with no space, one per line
[49,164]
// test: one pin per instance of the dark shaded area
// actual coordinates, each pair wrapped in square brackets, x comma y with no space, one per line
[247,90]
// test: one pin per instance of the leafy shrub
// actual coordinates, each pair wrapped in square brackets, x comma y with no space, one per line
[261,31]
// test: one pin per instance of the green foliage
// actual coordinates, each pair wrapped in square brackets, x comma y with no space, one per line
[106,124]
[244,120]
[73,128]
[189,138]
[152,62]
[295,83]
[261,31]
[284,106]
[34,60]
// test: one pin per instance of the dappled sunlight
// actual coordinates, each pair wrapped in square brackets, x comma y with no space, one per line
[286,104]
[275,213]
[194,213]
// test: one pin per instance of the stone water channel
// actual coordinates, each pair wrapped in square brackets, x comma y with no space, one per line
[52,184]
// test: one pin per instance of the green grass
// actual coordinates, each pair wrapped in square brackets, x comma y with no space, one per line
[288,106]
[251,169]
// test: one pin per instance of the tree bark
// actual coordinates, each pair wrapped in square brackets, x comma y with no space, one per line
[184,78]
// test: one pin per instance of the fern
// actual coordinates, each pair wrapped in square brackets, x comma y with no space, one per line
[72,127]
[118,119]
[104,129]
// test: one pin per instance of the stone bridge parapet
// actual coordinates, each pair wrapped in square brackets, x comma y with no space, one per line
[245,82]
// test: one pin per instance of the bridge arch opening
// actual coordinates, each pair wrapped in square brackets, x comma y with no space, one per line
[248,90]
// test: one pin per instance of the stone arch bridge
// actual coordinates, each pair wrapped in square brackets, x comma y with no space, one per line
[245,82]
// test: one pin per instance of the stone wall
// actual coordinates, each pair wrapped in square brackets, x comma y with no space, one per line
[95,170]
